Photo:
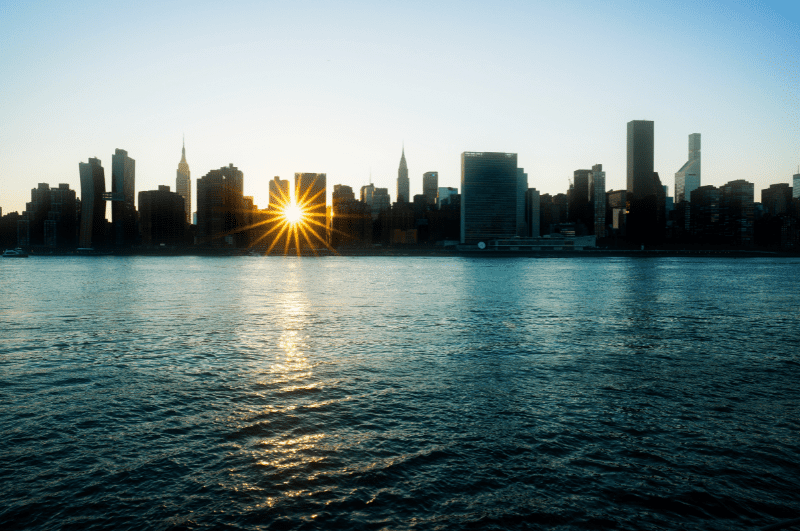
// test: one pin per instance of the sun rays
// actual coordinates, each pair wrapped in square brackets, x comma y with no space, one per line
[296,221]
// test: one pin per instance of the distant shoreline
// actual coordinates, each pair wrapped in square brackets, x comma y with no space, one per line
[431,252]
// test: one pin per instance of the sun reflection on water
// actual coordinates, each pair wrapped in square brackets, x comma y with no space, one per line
[286,445]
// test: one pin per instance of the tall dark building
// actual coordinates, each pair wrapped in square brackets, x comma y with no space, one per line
[488,196]
[163,217]
[220,207]
[381,201]
[640,158]
[93,204]
[597,200]
[579,207]
[705,214]
[645,195]
[736,212]
[341,193]
[430,186]
[777,198]
[532,213]
[351,221]
[279,194]
[31,226]
[522,189]
[402,180]
[123,190]
[616,210]
[60,227]
[310,190]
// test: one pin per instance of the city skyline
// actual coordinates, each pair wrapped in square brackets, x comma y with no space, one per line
[385,87]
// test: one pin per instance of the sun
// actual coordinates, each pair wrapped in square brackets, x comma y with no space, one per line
[293,213]
[295,221]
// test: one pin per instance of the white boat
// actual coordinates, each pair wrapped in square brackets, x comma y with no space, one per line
[15,253]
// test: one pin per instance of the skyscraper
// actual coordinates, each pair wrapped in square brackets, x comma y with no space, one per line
[162,215]
[532,212]
[736,212]
[183,184]
[777,198]
[522,189]
[430,186]
[402,180]
[645,218]
[597,200]
[220,201]
[93,205]
[579,200]
[279,194]
[380,201]
[351,220]
[796,185]
[488,196]
[444,194]
[123,194]
[640,158]
[687,179]
[367,192]
[60,226]
[310,190]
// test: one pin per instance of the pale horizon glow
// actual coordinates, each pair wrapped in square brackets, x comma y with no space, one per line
[338,88]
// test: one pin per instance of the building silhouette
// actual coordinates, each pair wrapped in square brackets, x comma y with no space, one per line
[522,189]
[640,158]
[776,199]
[279,195]
[705,214]
[737,202]
[50,219]
[646,202]
[123,195]
[367,193]
[351,219]
[489,183]
[93,205]
[220,206]
[310,194]
[162,217]
[597,201]
[579,203]
[532,213]
[687,179]
[616,210]
[430,186]
[31,226]
[381,201]
[402,180]
[443,195]
[183,184]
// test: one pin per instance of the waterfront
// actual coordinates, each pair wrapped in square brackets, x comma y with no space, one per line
[399,393]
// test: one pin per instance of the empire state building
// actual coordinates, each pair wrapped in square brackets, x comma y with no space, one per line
[183,185]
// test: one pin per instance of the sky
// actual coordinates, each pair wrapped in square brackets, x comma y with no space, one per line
[340,87]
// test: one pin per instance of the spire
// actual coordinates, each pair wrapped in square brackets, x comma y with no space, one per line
[403,164]
[183,166]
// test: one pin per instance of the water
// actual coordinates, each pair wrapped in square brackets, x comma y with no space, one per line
[399,393]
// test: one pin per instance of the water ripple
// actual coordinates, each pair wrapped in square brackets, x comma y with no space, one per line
[290,393]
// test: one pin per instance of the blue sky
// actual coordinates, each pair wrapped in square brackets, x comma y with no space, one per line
[338,87]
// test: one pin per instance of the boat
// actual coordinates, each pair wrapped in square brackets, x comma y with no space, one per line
[15,253]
